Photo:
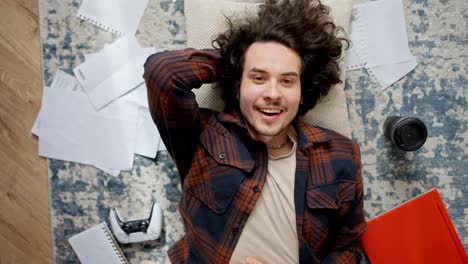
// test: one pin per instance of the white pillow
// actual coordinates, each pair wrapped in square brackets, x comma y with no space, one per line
[204,19]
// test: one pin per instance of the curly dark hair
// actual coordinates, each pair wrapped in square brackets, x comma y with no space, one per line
[302,25]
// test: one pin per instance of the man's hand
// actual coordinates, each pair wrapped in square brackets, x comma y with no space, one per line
[252,260]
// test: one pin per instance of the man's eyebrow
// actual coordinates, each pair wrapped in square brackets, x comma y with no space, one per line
[290,74]
[258,70]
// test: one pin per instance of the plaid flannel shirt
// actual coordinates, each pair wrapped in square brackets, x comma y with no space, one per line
[223,170]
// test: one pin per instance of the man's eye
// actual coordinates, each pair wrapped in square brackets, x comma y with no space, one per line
[288,81]
[258,78]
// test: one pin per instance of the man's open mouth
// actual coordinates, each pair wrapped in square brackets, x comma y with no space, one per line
[270,111]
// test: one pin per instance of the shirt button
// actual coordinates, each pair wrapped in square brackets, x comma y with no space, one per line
[256,189]
[235,231]
[221,156]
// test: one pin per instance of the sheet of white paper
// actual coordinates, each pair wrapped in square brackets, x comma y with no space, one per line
[47,145]
[380,42]
[352,58]
[125,79]
[383,32]
[117,16]
[35,128]
[148,138]
[71,130]
[112,172]
[386,75]
[138,95]
[106,76]
[161,146]
[36,131]
[92,72]
[62,80]
[147,141]
[93,140]
[37,123]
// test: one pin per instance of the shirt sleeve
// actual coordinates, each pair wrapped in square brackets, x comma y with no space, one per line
[170,76]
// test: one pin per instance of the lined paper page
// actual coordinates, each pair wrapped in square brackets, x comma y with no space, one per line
[117,16]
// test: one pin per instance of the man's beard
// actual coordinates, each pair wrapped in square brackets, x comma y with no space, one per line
[257,130]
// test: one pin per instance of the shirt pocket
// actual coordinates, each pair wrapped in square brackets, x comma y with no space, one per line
[220,165]
[218,189]
[330,196]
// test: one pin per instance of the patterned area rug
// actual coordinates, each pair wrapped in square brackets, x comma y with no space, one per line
[436,92]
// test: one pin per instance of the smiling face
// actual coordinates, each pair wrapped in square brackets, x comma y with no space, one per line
[270,90]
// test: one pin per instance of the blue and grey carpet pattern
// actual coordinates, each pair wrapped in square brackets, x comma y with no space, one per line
[436,92]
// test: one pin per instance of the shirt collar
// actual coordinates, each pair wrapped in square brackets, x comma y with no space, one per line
[307,135]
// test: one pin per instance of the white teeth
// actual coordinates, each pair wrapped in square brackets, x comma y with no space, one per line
[270,111]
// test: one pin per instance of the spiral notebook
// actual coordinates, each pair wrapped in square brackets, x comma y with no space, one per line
[97,245]
[117,16]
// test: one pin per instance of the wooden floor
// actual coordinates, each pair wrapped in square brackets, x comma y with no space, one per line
[24,201]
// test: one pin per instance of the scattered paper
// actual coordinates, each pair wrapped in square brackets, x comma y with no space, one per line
[161,146]
[117,16]
[112,172]
[379,41]
[113,72]
[70,129]
[97,245]
[138,95]
[147,135]
[388,74]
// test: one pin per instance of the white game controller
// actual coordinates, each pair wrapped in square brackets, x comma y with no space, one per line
[137,230]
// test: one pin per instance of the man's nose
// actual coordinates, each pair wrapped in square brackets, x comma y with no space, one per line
[272,91]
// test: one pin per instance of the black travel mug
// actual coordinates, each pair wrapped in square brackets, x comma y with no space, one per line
[408,133]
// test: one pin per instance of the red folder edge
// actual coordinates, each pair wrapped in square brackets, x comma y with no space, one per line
[453,232]
[433,195]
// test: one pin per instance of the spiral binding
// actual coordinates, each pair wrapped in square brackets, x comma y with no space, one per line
[115,246]
[100,24]
[355,17]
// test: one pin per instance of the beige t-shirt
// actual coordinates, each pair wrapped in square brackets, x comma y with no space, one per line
[270,232]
